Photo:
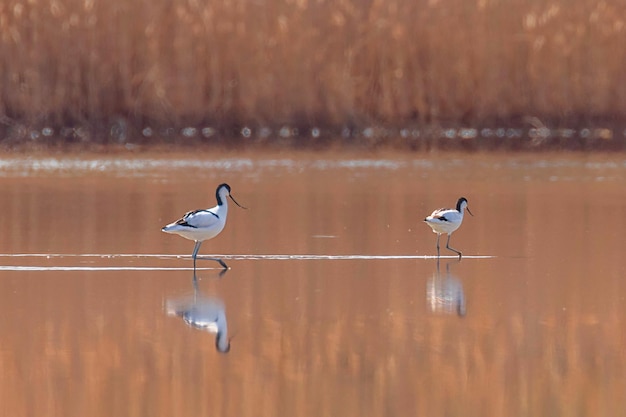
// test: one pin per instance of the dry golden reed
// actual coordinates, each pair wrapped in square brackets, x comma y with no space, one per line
[311,62]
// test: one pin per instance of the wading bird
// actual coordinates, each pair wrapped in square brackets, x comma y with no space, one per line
[201,225]
[447,220]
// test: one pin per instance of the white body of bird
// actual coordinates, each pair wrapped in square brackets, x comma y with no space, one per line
[201,225]
[446,220]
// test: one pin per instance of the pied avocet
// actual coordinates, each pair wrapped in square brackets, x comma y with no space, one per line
[201,225]
[447,220]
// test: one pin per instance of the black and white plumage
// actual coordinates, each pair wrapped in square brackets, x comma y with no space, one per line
[447,220]
[201,225]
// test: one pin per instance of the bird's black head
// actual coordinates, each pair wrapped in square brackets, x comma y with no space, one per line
[219,195]
[462,204]
[218,190]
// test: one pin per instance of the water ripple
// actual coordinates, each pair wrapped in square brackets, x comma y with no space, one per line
[161,168]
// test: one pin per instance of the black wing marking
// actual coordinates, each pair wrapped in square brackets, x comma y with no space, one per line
[183,220]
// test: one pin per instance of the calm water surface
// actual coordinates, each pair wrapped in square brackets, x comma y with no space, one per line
[334,303]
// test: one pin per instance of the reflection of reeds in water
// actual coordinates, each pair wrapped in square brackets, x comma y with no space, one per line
[310,63]
[314,339]
[89,361]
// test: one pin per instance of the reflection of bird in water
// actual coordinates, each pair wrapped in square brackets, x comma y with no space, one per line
[203,313]
[446,220]
[201,225]
[445,294]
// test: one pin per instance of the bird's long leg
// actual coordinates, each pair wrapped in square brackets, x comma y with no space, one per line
[438,236]
[206,258]
[452,249]
[216,260]
[196,248]
[194,255]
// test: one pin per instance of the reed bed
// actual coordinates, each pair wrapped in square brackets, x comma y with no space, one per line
[309,63]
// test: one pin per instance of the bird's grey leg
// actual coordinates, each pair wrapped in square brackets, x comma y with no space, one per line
[206,258]
[218,260]
[452,249]
[194,255]
[438,236]
[196,248]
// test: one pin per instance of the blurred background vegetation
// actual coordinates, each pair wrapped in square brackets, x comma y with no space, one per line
[107,70]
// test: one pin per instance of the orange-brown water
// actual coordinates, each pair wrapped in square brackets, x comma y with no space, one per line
[85,330]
